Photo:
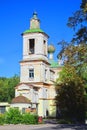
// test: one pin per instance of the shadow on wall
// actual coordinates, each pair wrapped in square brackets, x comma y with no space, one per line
[51,114]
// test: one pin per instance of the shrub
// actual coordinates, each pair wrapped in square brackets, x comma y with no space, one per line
[28,118]
[2,119]
[13,116]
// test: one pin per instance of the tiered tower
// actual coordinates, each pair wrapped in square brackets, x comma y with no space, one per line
[36,89]
[35,53]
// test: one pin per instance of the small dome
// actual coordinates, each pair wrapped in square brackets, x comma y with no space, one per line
[51,49]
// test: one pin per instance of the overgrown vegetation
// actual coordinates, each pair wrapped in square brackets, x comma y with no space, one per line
[29,119]
[70,95]
[14,116]
[71,86]
[2,119]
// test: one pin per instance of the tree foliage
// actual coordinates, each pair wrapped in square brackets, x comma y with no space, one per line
[84,5]
[73,77]
[75,52]
[7,88]
[76,56]
[70,94]
[79,23]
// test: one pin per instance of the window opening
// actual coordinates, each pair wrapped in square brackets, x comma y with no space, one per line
[31,46]
[31,73]
[44,47]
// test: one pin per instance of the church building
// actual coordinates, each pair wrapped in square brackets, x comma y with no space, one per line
[38,70]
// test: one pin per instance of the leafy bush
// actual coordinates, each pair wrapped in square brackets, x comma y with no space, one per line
[13,116]
[28,118]
[2,119]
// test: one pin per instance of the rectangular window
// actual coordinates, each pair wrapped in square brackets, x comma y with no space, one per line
[31,46]
[44,47]
[31,73]
[45,74]
[2,109]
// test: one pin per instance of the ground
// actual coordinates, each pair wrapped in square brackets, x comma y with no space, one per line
[47,126]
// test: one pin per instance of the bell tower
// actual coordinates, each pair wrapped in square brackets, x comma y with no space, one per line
[37,73]
[35,52]
[35,41]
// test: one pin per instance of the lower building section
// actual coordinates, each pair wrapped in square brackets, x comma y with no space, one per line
[35,98]
[52,108]
[46,108]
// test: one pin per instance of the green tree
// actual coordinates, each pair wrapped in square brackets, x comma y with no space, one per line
[84,5]
[74,53]
[73,78]
[7,88]
[12,83]
[79,23]
[70,94]
[3,89]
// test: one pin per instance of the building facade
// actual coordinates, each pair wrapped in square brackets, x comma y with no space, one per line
[38,71]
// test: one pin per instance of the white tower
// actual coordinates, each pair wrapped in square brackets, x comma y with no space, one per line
[36,72]
[34,41]
[34,52]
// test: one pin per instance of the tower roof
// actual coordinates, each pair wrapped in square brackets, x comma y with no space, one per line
[34,25]
[33,30]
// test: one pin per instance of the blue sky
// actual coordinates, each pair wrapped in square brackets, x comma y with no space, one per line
[14,19]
